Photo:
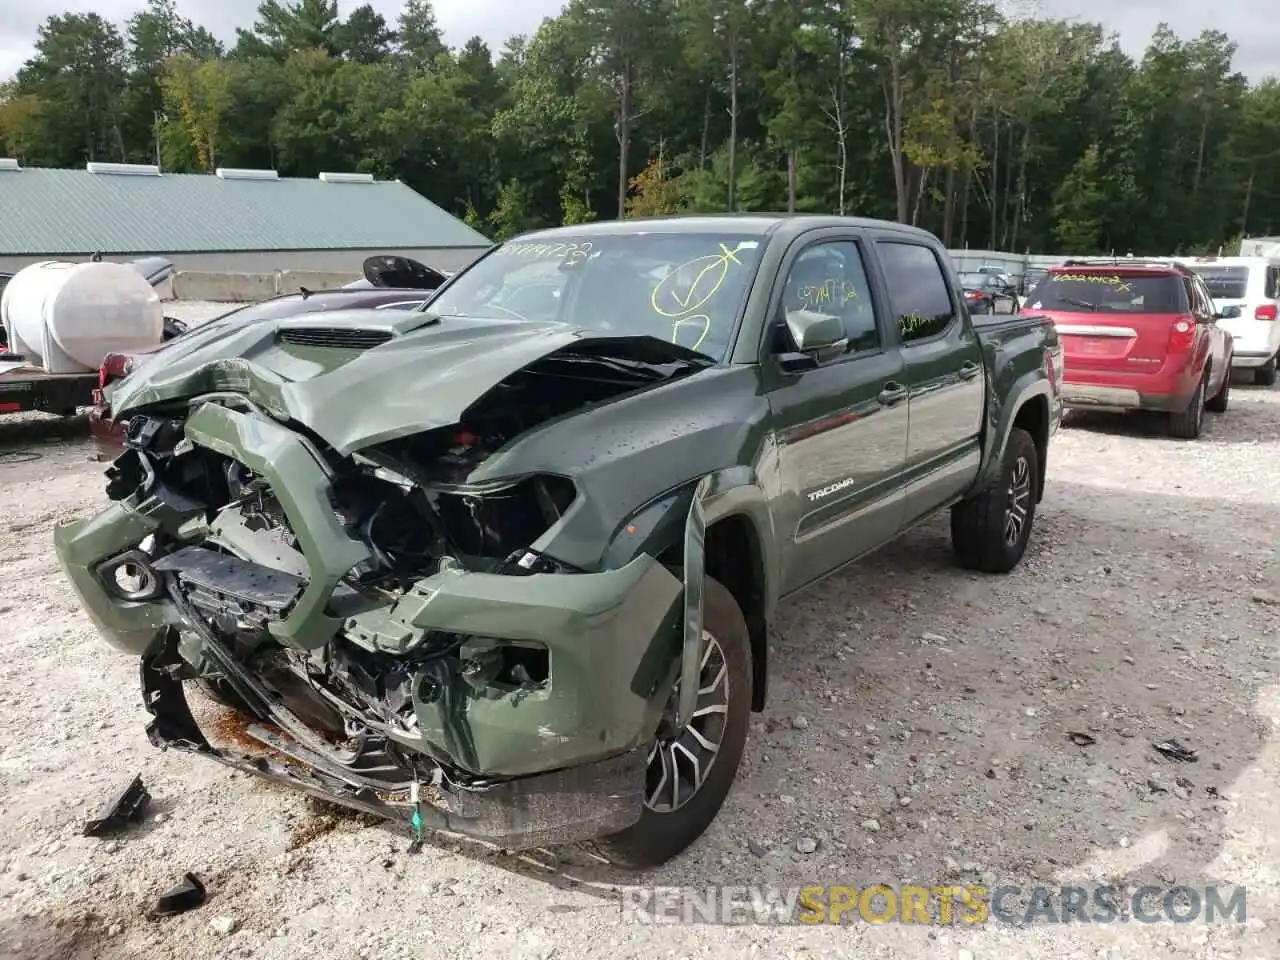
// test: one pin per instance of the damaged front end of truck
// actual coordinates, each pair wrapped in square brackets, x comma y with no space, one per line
[323,531]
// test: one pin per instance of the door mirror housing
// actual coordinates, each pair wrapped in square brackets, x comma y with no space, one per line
[814,332]
[1229,313]
[816,337]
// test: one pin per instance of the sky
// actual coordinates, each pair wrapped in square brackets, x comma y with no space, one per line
[1256,32]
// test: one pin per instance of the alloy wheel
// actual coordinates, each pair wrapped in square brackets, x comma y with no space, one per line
[680,760]
[1019,502]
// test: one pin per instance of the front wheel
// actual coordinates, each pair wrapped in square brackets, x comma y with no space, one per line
[990,530]
[691,771]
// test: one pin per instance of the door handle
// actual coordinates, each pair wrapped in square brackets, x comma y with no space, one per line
[892,393]
[969,370]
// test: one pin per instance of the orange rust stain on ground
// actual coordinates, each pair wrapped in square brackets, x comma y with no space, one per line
[230,728]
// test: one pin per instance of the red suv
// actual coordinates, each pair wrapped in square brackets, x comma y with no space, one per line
[1137,335]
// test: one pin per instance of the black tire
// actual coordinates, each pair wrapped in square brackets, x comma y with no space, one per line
[659,836]
[1218,402]
[1186,425]
[1265,375]
[980,524]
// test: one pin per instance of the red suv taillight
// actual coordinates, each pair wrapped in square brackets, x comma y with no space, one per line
[1182,335]
[1266,312]
[1050,369]
[116,366]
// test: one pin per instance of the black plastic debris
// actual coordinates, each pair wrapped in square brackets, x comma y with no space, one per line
[185,896]
[1081,739]
[1176,751]
[126,807]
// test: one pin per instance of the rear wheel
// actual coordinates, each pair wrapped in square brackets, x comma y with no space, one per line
[1186,425]
[990,530]
[1265,375]
[691,771]
[1218,402]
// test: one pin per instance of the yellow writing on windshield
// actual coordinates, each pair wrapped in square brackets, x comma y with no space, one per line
[687,288]
[568,252]
[830,292]
[698,325]
[1110,280]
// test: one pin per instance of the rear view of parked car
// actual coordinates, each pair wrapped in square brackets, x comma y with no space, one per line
[987,293]
[1137,335]
[1246,291]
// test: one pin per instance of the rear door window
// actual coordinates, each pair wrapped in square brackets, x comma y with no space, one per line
[1109,291]
[1201,302]
[919,290]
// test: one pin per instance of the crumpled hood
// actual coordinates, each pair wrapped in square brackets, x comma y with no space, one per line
[425,376]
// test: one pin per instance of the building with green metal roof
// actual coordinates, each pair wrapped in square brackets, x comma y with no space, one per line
[246,221]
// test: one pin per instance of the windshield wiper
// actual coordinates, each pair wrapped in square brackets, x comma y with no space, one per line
[1095,307]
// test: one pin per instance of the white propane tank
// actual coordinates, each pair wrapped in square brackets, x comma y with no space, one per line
[66,317]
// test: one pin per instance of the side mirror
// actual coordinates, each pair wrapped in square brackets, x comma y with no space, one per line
[814,335]
[1229,313]
[815,332]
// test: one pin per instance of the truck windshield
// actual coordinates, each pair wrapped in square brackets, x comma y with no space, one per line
[1079,291]
[685,288]
[1225,283]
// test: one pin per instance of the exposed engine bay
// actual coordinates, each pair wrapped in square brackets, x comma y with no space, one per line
[236,567]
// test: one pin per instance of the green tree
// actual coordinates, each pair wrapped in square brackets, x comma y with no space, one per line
[284,27]
[19,121]
[198,93]
[512,214]
[995,128]
[1080,205]
[364,36]
[418,33]
[78,73]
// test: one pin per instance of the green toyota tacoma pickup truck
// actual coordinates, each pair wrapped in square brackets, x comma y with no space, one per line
[505,566]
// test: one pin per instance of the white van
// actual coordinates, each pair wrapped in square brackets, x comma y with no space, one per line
[1246,291]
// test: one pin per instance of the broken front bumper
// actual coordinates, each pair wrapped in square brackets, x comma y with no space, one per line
[562,806]
[610,638]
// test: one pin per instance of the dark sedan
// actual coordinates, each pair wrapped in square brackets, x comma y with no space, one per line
[987,293]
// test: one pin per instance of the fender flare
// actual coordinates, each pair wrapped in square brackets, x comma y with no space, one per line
[1030,385]
[730,492]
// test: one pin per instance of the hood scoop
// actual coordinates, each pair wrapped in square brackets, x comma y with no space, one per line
[336,338]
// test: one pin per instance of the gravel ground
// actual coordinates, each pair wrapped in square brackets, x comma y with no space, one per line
[917,734]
